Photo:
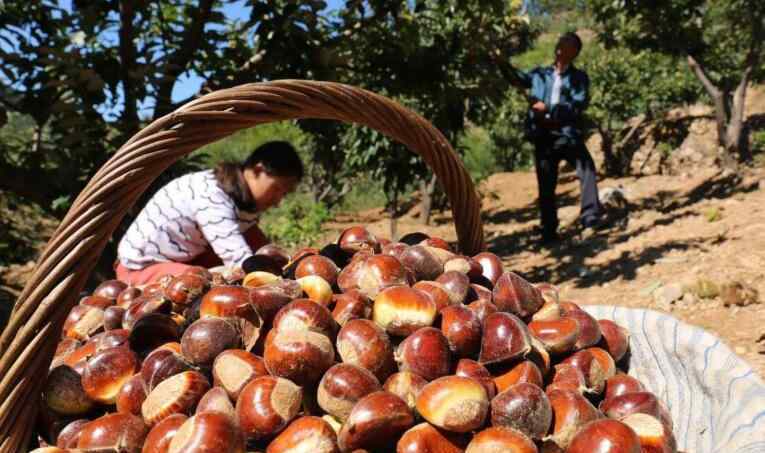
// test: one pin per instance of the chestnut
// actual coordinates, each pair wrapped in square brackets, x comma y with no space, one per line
[500,439]
[375,273]
[505,338]
[177,394]
[523,407]
[110,289]
[568,377]
[654,436]
[127,296]
[406,385]
[216,400]
[596,365]
[491,265]
[464,265]
[235,368]
[550,292]
[208,337]
[413,238]
[144,306]
[305,314]
[64,394]
[262,263]
[316,288]
[436,242]
[525,371]
[113,432]
[361,342]
[422,262]
[357,238]
[159,437]
[437,292]
[376,422]
[483,308]
[457,285]
[571,411]
[559,336]
[228,301]
[425,438]
[351,305]
[615,338]
[208,432]
[342,386]
[185,288]
[539,355]
[268,300]
[113,317]
[514,294]
[605,436]
[306,434]
[472,369]
[64,349]
[131,396]
[454,403]
[49,450]
[620,384]
[627,404]
[479,293]
[69,436]
[161,364]
[589,329]
[301,356]
[278,254]
[83,321]
[259,278]
[107,371]
[462,329]
[426,353]
[401,310]
[152,331]
[97,301]
[266,405]
[320,266]
[550,311]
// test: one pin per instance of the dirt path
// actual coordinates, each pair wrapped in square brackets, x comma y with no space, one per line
[706,227]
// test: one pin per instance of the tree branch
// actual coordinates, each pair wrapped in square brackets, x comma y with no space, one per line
[127,57]
[702,76]
[179,60]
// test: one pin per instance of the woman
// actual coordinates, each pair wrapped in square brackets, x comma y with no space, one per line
[208,217]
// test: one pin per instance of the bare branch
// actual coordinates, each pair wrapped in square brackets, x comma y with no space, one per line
[702,76]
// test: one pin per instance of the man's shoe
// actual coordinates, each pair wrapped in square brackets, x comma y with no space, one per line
[594,223]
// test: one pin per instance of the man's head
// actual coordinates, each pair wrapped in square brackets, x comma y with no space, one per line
[569,46]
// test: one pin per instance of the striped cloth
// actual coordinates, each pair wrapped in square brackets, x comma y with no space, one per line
[716,399]
[182,219]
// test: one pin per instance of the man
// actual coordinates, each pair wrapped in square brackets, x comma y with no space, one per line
[558,96]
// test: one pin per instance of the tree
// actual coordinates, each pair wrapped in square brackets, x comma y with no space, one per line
[628,92]
[722,42]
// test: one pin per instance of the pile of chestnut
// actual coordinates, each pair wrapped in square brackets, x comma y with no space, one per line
[363,346]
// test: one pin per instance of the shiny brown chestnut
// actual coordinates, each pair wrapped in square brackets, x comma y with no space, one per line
[131,395]
[70,434]
[316,288]
[568,377]
[505,338]
[159,437]
[342,386]
[320,266]
[474,370]
[64,394]
[113,432]
[478,293]
[512,293]
[233,369]
[266,405]
[177,394]
[615,338]
[301,356]
[525,371]
[620,384]
[268,300]
[523,407]
[208,337]
[589,329]
[436,291]
[454,403]
[107,371]
[208,432]
[457,285]
[113,317]
[375,423]
[152,331]
[375,273]
[482,308]
[422,262]
[361,342]
[144,306]
[401,310]
[605,436]
[351,305]
[357,238]
[426,353]
[491,265]
[571,411]
[540,356]
[306,314]
[110,289]
[185,288]
[305,434]
[425,438]
[97,301]
[462,329]
[127,296]
[654,436]
[465,265]
[559,336]
[594,374]
[406,385]
[278,254]
[627,404]
[82,322]
[500,439]
[216,400]
[161,364]
[550,311]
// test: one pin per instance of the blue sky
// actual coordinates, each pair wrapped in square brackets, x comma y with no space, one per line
[189,84]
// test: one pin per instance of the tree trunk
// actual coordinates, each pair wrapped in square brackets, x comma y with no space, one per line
[735,138]
[426,207]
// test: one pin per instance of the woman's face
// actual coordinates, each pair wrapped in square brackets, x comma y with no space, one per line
[268,190]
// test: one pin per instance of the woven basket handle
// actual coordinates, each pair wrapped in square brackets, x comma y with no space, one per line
[28,342]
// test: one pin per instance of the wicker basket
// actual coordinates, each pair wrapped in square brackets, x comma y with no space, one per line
[29,340]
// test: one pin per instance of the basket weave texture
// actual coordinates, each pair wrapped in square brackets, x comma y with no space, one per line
[29,340]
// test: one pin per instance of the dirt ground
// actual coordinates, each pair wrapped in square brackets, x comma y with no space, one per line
[681,232]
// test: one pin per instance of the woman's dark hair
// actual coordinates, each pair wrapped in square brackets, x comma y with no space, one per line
[278,158]
[571,36]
